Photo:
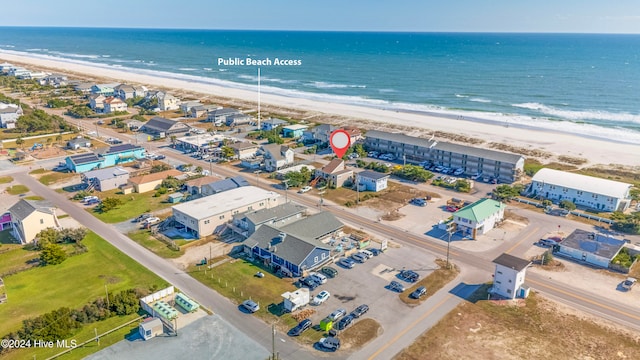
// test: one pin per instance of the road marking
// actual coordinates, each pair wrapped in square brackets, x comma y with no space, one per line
[411,326]
[523,239]
[592,302]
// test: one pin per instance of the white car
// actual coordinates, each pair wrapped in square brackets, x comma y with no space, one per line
[321,297]
[319,278]
[150,221]
[305,189]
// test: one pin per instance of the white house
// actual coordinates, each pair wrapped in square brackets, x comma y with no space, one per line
[371,180]
[592,248]
[167,101]
[96,102]
[582,190]
[335,173]
[277,156]
[272,123]
[479,217]
[509,275]
[113,104]
[9,114]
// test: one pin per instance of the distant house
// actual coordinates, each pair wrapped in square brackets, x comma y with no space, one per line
[371,180]
[272,123]
[293,131]
[582,190]
[321,133]
[18,72]
[104,157]
[283,214]
[167,101]
[209,214]
[201,110]
[509,276]
[83,87]
[162,127]
[124,91]
[103,89]
[243,150]
[354,134]
[185,107]
[29,217]
[106,179]
[113,104]
[210,185]
[479,217]
[55,80]
[277,156]
[77,143]
[96,102]
[150,182]
[219,115]
[592,248]
[335,173]
[9,114]
[239,120]
[133,124]
[295,247]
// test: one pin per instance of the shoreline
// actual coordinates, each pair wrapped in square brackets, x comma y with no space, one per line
[543,144]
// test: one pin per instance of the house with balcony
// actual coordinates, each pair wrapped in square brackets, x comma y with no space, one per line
[96,102]
[29,217]
[371,180]
[105,179]
[104,89]
[9,114]
[114,104]
[277,157]
[334,173]
[479,218]
[293,131]
[244,150]
[272,124]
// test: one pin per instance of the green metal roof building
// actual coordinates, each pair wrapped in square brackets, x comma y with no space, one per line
[479,217]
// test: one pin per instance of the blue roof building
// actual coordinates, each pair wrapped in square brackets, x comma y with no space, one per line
[104,157]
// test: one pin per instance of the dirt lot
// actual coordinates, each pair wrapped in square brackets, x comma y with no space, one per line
[540,329]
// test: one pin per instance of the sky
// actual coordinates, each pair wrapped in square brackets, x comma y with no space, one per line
[573,16]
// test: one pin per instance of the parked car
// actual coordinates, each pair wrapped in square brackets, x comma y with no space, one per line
[418,202]
[151,220]
[142,217]
[418,293]
[396,286]
[330,343]
[321,297]
[160,157]
[309,282]
[329,272]
[319,278]
[359,257]
[346,262]
[301,327]
[628,283]
[375,251]
[305,189]
[337,314]
[250,305]
[409,275]
[360,310]
[344,322]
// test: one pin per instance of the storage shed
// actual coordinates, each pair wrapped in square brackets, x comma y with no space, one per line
[295,300]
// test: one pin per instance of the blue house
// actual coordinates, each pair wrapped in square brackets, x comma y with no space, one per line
[293,131]
[104,157]
[272,123]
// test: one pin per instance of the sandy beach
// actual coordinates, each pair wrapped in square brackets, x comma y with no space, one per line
[594,151]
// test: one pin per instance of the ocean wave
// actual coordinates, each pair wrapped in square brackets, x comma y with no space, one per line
[187,69]
[577,115]
[480,100]
[207,69]
[326,85]
[73,55]
[462,96]
[7,46]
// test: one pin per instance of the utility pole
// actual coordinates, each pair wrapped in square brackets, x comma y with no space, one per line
[107,293]
[273,342]
[449,229]
[286,190]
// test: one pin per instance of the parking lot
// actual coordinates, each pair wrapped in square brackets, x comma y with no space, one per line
[367,283]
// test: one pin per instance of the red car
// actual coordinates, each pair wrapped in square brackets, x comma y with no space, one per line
[451,208]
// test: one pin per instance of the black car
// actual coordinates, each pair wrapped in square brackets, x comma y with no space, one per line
[142,217]
[409,275]
[309,282]
[329,271]
[344,322]
[418,293]
[359,311]
[160,157]
[375,251]
[300,328]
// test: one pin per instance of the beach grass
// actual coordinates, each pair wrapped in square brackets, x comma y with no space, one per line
[52,177]
[5,179]
[17,190]
[79,280]
[144,238]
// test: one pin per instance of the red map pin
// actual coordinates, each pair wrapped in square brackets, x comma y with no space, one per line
[340,142]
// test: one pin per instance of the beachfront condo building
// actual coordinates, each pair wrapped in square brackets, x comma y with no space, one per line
[505,167]
[587,191]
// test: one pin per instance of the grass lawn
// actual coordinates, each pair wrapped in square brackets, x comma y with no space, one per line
[133,205]
[5,179]
[34,197]
[52,177]
[144,238]
[74,283]
[17,189]
[434,282]
[14,258]
[84,334]
[538,330]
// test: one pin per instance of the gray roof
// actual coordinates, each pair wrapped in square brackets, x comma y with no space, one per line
[372,175]
[275,213]
[105,174]
[293,249]
[275,150]
[512,262]
[161,124]
[227,184]
[24,208]
[445,146]
[223,112]
[594,243]
[79,141]
[275,121]
[315,226]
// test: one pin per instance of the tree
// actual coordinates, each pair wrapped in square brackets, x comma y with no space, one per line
[359,149]
[172,183]
[109,204]
[72,235]
[159,168]
[49,141]
[227,152]
[462,185]
[198,169]
[58,139]
[20,142]
[566,204]
[47,236]
[173,139]
[52,254]
[506,192]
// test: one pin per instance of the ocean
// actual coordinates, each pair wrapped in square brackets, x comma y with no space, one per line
[585,84]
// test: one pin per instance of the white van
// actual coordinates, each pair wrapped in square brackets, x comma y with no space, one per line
[367,253]
[319,278]
[359,257]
